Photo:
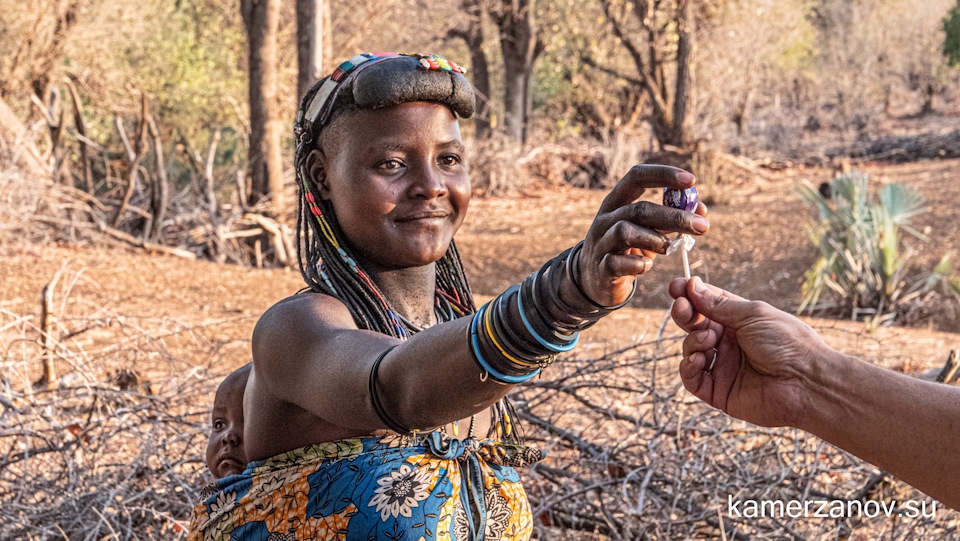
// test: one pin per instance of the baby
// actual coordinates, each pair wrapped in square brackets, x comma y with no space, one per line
[225,455]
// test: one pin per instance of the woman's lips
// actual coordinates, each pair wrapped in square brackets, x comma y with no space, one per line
[425,215]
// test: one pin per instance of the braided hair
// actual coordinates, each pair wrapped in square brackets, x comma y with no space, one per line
[328,265]
[326,260]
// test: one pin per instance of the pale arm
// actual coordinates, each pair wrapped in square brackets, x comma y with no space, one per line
[773,370]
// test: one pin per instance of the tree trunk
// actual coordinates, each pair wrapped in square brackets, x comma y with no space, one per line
[479,68]
[160,187]
[686,41]
[518,39]
[310,39]
[262,20]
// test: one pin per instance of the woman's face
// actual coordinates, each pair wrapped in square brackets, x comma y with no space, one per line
[398,181]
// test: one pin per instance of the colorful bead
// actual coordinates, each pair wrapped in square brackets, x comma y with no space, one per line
[684,200]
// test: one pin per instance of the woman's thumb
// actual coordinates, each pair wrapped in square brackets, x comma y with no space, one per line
[717,304]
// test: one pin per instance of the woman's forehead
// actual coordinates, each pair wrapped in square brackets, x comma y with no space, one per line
[398,126]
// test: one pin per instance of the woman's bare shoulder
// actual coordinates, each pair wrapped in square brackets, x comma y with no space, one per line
[307,310]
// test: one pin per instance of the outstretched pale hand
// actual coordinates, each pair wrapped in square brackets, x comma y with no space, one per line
[627,234]
[763,356]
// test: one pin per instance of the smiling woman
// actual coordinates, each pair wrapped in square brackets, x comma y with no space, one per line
[376,404]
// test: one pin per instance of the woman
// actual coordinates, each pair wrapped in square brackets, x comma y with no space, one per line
[376,407]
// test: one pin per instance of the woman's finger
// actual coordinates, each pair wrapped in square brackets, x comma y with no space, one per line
[617,265]
[624,236]
[658,217]
[641,177]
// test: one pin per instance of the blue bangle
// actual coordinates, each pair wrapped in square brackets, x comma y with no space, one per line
[550,346]
[478,357]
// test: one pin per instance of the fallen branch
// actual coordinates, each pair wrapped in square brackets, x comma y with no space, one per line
[145,245]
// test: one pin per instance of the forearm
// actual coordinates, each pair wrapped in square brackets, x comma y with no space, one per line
[431,379]
[906,426]
[474,363]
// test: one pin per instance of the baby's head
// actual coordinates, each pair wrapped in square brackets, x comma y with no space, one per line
[225,455]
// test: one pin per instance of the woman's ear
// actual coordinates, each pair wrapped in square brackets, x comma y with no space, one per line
[316,170]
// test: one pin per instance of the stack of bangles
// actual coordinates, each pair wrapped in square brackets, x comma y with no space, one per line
[549,324]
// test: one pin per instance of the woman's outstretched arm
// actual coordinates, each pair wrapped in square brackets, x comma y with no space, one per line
[307,350]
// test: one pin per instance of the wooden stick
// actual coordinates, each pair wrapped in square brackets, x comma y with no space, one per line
[159,188]
[81,127]
[950,369]
[49,377]
[147,246]
[275,230]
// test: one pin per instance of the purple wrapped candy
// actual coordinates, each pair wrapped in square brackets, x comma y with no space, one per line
[684,200]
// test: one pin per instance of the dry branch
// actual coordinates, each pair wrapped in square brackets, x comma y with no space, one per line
[134,156]
[49,377]
[145,245]
[281,243]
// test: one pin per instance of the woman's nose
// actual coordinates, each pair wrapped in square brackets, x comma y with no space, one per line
[428,182]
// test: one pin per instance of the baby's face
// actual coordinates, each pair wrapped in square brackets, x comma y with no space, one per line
[225,455]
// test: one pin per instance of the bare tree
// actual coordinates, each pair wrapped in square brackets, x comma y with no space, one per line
[262,21]
[310,40]
[660,37]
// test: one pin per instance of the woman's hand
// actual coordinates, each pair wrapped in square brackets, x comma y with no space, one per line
[627,235]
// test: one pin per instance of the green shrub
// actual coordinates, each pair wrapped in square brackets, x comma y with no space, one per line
[863,256]
[951,30]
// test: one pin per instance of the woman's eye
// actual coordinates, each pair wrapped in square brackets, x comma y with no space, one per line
[449,159]
[391,164]
[219,425]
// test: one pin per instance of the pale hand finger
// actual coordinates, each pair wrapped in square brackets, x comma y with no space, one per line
[695,378]
[703,341]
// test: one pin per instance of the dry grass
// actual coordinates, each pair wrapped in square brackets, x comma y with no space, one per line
[114,448]
[634,456]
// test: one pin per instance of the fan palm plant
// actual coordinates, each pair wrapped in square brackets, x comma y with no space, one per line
[864,257]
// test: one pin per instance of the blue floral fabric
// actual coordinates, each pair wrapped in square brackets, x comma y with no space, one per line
[374,488]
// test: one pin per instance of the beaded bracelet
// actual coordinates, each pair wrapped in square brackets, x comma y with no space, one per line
[568,318]
[482,362]
[502,326]
[531,319]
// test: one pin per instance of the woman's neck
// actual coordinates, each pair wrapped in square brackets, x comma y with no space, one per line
[409,291]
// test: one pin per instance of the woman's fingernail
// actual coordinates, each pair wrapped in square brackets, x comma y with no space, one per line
[685,178]
[700,224]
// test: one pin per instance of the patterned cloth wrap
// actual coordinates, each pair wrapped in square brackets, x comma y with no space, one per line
[374,488]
